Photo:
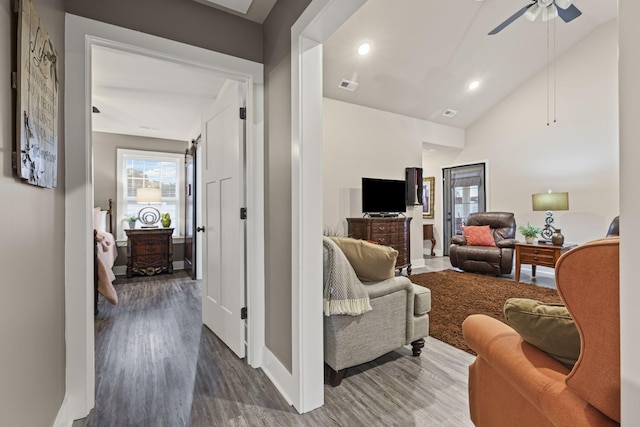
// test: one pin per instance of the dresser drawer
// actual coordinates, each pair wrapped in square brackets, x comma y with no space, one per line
[539,259]
[146,260]
[150,249]
[387,239]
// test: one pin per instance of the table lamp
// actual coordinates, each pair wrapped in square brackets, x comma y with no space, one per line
[550,202]
[149,216]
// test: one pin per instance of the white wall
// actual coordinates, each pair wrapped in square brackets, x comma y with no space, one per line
[364,142]
[578,153]
[433,158]
[32,322]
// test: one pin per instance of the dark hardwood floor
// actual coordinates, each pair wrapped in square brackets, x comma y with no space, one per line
[156,365]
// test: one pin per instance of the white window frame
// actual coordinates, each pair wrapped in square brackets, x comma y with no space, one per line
[121,177]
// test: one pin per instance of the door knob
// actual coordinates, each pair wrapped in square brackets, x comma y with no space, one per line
[200,229]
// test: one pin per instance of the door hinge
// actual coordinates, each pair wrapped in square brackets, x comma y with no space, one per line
[243,213]
[243,113]
[243,313]
[14,80]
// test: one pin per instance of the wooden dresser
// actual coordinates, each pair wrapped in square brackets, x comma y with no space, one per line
[392,232]
[149,251]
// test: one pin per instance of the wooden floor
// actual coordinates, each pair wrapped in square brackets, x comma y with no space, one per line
[156,365]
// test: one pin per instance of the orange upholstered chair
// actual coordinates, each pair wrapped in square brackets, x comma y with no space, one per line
[512,383]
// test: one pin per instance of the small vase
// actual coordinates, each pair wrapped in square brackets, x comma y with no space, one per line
[529,240]
[166,224]
[132,225]
[557,238]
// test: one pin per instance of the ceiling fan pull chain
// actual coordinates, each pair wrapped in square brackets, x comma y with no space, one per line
[548,73]
[554,71]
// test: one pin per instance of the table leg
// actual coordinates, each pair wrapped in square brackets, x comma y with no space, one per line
[517,264]
[433,245]
[533,271]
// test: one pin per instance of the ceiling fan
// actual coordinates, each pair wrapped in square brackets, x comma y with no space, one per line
[549,9]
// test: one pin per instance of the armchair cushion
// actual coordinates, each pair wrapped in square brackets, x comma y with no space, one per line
[478,235]
[548,327]
[370,262]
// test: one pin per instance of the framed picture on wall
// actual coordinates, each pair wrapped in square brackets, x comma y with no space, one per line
[37,101]
[427,197]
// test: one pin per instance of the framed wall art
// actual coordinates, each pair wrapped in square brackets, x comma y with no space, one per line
[37,101]
[428,185]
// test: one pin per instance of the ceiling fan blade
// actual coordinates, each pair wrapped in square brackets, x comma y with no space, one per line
[563,4]
[569,14]
[509,20]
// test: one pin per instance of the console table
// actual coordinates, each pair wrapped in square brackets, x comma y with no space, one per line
[149,251]
[392,232]
[542,255]
[427,234]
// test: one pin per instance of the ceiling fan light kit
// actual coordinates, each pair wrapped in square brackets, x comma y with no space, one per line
[549,9]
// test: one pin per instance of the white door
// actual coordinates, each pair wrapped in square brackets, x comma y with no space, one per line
[223,249]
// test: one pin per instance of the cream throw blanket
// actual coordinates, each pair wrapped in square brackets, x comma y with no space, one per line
[344,293]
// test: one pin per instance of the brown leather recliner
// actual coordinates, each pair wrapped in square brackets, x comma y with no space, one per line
[496,260]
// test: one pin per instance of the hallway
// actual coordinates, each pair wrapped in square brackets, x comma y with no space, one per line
[158,366]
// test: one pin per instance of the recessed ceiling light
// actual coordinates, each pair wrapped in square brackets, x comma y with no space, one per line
[363,49]
[474,85]
[449,112]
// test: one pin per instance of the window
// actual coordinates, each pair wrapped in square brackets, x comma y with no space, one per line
[141,169]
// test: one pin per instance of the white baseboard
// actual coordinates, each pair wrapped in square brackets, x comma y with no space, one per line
[417,263]
[278,374]
[63,419]
[121,270]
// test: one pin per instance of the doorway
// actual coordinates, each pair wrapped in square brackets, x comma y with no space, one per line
[463,193]
[81,34]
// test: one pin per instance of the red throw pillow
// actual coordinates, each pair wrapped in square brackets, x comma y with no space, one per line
[478,235]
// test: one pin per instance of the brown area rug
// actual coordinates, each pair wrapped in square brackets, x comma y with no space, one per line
[455,295]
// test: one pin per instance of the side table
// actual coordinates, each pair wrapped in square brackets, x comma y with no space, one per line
[149,251]
[542,255]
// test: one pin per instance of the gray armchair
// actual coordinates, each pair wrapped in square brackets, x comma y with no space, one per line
[399,316]
[495,260]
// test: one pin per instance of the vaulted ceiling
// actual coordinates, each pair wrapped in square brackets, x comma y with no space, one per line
[424,54]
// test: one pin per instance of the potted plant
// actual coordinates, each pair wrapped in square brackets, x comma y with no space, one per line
[131,220]
[165,218]
[529,232]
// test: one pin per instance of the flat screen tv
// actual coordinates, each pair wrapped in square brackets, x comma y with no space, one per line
[383,196]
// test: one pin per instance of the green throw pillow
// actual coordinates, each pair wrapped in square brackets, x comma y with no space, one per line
[546,326]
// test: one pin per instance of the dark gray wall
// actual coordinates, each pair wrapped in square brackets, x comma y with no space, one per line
[277,65]
[32,359]
[186,21]
[105,164]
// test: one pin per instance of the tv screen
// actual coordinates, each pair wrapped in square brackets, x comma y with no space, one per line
[383,195]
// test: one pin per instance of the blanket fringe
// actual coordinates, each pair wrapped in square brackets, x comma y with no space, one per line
[354,307]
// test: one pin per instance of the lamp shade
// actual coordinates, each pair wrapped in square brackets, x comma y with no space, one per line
[550,201]
[148,195]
